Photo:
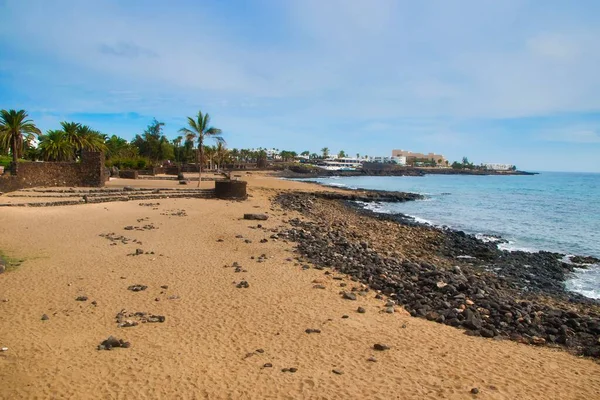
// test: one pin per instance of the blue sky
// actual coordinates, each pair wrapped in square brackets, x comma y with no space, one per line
[497,81]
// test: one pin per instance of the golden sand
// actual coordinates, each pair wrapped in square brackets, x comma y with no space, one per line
[207,347]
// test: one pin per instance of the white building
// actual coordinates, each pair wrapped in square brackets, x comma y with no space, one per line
[498,167]
[399,160]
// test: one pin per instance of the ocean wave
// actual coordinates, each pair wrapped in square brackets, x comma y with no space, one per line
[489,238]
[375,207]
[511,246]
[422,220]
[585,281]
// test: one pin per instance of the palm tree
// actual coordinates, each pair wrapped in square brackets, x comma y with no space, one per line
[177,143]
[82,137]
[90,140]
[56,146]
[209,153]
[221,154]
[325,152]
[12,126]
[341,154]
[199,129]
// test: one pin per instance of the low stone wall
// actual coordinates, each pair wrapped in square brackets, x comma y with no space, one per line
[171,171]
[227,189]
[90,172]
[128,174]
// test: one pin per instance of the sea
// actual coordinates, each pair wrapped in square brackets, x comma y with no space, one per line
[553,211]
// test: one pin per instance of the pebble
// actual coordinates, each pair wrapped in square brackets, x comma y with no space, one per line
[243,284]
[380,347]
[474,391]
[372,359]
[345,316]
[389,310]
[348,296]
[337,371]
[318,287]
[81,298]
[45,317]
[309,330]
[137,288]
[361,310]
[268,365]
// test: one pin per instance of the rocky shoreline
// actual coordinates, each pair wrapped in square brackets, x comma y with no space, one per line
[444,275]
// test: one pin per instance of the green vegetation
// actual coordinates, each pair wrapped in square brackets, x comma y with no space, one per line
[199,129]
[9,263]
[465,164]
[13,125]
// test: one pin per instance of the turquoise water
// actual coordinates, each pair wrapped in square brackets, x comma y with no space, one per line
[552,211]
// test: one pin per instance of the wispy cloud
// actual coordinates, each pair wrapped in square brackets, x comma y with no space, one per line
[123,49]
[394,71]
[574,135]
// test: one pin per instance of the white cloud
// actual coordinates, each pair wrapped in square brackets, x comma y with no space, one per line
[337,59]
[572,135]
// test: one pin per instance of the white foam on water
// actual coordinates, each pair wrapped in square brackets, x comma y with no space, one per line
[585,281]
[511,246]
[375,207]
[422,220]
[487,239]
[335,184]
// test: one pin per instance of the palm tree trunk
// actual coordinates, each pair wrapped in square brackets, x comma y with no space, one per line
[201,161]
[14,156]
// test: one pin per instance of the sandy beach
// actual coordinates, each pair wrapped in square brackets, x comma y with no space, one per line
[218,340]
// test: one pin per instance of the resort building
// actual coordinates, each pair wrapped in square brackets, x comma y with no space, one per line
[498,167]
[413,158]
[401,160]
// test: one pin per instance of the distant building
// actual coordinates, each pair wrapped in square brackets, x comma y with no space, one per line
[388,160]
[413,158]
[498,167]
[272,154]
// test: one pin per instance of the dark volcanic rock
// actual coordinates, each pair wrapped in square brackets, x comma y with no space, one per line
[112,343]
[137,288]
[380,347]
[349,296]
[259,217]
[584,260]
[488,292]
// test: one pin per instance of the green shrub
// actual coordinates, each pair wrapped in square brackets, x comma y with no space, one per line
[5,161]
[128,163]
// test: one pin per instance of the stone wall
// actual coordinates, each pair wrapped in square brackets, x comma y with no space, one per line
[129,174]
[90,172]
[227,189]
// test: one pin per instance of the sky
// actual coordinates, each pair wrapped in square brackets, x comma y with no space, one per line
[497,81]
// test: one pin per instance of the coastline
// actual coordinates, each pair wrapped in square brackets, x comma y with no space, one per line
[209,344]
[450,267]
[307,173]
